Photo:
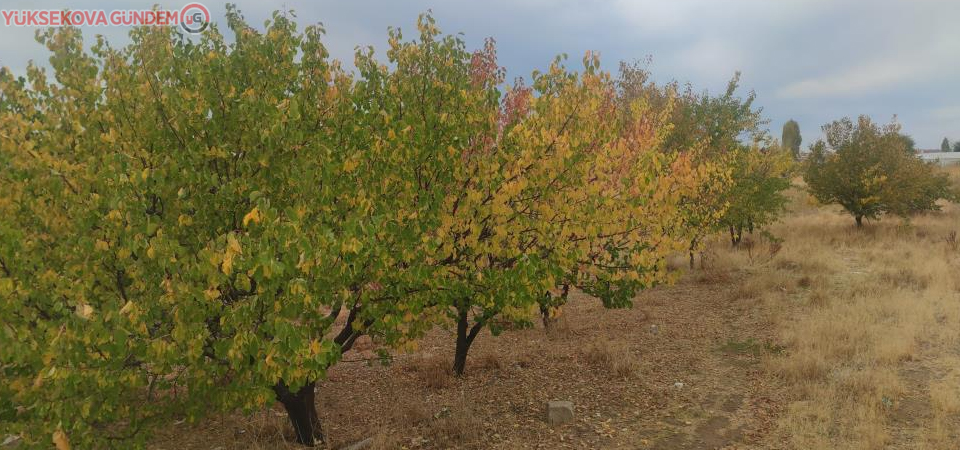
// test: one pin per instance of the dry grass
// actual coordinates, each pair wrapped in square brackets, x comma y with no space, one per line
[612,357]
[460,428]
[862,312]
[432,371]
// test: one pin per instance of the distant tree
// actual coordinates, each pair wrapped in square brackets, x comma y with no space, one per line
[956,146]
[791,138]
[909,145]
[945,145]
[870,172]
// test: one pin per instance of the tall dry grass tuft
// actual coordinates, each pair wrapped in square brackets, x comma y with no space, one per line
[433,371]
[458,428]
[611,357]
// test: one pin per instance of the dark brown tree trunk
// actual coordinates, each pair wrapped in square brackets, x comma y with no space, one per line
[733,237]
[859,220]
[465,336]
[302,411]
[300,405]
[693,246]
[545,315]
[460,354]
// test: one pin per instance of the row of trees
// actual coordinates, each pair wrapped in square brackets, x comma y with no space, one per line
[195,226]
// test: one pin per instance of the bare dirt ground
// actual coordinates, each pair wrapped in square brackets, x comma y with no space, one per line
[621,368]
[827,337]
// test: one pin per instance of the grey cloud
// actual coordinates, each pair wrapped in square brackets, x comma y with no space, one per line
[811,60]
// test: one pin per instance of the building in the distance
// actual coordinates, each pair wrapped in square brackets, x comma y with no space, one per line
[941,158]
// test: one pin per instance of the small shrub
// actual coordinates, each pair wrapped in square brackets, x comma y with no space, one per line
[489,360]
[409,414]
[612,357]
[433,372]
[455,429]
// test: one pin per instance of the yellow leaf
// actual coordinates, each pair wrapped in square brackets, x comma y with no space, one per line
[254,215]
[60,440]
[212,293]
[233,245]
[349,165]
[227,266]
[84,311]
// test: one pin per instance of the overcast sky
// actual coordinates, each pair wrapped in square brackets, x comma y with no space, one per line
[813,61]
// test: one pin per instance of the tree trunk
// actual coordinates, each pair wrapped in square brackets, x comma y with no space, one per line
[300,405]
[693,247]
[545,315]
[859,220]
[302,411]
[733,237]
[460,355]
[465,336]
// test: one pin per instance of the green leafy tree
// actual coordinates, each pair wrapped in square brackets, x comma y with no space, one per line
[561,193]
[956,146]
[760,175]
[185,232]
[193,225]
[791,139]
[869,171]
[945,145]
[711,129]
[909,145]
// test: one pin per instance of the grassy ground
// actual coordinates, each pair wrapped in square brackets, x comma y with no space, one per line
[830,337]
[872,332]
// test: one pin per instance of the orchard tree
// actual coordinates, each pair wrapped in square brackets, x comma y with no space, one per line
[437,109]
[791,139]
[185,232]
[552,200]
[542,187]
[710,130]
[868,170]
[633,196]
[761,175]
